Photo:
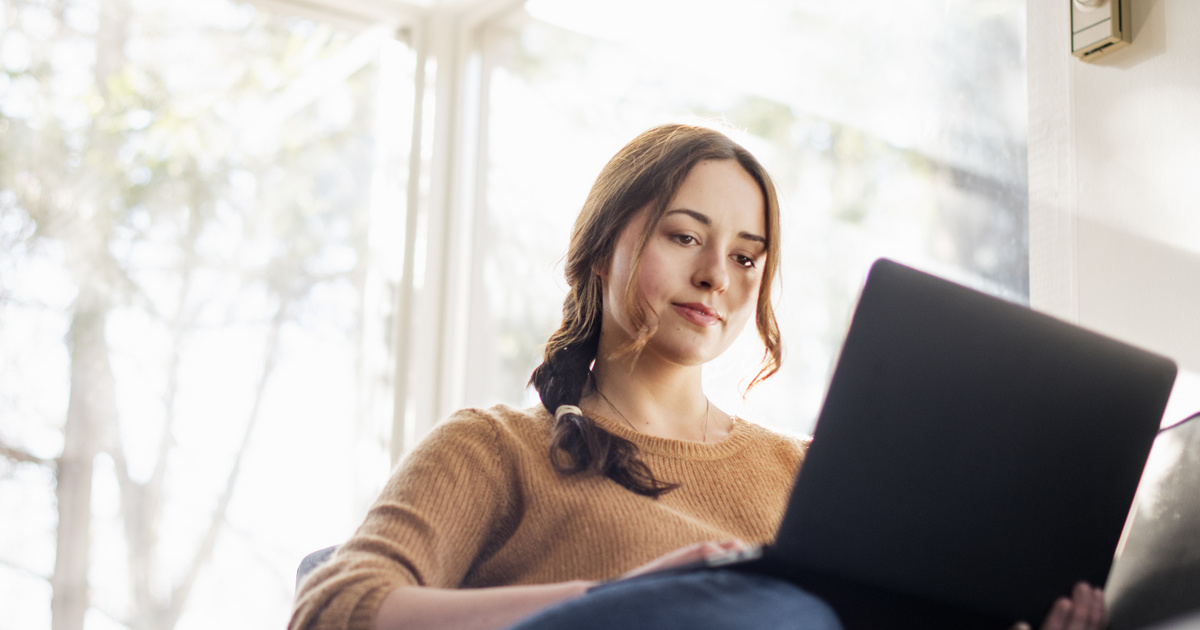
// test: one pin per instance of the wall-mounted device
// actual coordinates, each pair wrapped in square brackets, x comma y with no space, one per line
[1099,27]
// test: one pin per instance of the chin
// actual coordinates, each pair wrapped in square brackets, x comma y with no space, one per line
[688,355]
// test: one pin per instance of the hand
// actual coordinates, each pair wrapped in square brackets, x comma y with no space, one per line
[691,553]
[1083,611]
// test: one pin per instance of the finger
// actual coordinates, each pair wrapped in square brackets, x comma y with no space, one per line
[691,553]
[1059,613]
[726,547]
[683,555]
[1096,609]
[729,544]
[1081,608]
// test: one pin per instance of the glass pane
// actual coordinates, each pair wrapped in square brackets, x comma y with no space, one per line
[892,129]
[199,211]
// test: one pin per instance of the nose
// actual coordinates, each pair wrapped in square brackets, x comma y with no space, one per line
[710,273]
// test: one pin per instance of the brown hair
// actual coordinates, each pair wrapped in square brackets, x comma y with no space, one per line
[646,173]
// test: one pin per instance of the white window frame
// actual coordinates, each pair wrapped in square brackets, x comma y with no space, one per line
[447,160]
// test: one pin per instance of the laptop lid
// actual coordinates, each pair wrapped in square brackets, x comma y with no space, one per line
[971,451]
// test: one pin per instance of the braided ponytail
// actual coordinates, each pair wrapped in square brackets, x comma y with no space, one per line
[578,446]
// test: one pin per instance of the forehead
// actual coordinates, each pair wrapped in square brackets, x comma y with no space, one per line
[726,193]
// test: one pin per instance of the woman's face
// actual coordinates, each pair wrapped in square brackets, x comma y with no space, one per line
[701,270]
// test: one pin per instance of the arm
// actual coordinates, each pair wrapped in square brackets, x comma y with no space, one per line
[438,512]
[422,608]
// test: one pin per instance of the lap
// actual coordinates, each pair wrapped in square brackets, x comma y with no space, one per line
[694,600]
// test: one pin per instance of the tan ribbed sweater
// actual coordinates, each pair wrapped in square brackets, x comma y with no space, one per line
[478,504]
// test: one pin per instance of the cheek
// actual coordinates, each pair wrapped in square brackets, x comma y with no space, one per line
[651,281]
[651,286]
[748,296]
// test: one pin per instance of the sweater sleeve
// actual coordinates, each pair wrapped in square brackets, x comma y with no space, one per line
[442,510]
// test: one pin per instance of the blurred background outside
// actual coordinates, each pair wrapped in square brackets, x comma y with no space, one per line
[250,253]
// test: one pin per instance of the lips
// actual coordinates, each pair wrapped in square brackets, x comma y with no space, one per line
[697,313]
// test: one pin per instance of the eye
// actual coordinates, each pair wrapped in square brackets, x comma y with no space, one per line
[684,239]
[745,261]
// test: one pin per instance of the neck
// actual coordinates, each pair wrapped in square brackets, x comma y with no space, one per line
[655,399]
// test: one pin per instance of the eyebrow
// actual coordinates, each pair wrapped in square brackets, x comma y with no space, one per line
[703,218]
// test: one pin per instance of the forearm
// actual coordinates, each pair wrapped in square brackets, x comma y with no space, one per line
[421,608]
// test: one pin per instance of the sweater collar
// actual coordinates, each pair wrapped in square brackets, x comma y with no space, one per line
[739,437]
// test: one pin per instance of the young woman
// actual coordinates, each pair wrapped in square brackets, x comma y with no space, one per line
[506,516]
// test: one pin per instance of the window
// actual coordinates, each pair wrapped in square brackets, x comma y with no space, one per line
[231,234]
[891,129]
[200,206]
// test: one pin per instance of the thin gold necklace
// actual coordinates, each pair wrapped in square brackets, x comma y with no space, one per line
[707,409]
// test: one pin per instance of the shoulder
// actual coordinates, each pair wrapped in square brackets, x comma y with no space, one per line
[789,450]
[500,432]
[498,422]
[476,446]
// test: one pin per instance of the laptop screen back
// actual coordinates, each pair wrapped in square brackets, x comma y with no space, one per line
[971,450]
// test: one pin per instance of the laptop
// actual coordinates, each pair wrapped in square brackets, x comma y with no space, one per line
[973,460]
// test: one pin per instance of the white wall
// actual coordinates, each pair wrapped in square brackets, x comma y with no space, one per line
[1114,152]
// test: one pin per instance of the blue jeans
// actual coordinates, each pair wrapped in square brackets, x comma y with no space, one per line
[693,600]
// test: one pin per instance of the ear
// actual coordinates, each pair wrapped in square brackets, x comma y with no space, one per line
[601,270]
